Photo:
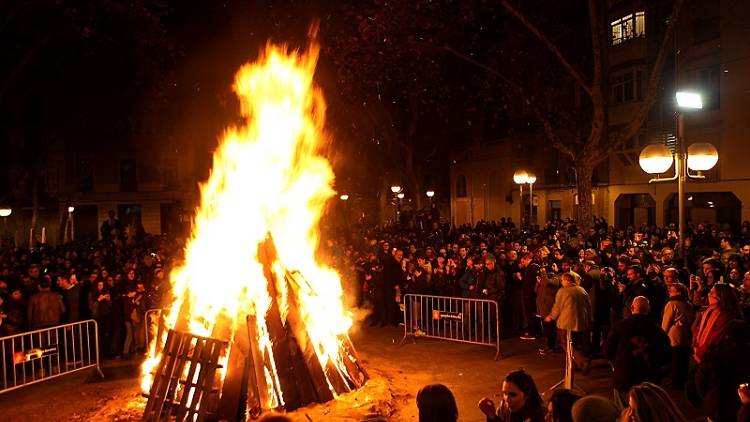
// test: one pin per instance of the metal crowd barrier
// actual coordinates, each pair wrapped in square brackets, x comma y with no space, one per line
[152,320]
[474,321]
[32,357]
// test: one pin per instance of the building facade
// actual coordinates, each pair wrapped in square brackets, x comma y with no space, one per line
[147,184]
[711,55]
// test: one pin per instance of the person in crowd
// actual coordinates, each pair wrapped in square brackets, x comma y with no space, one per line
[723,367]
[744,296]
[436,404]
[521,401]
[111,228]
[710,325]
[72,297]
[528,281]
[676,322]
[100,305]
[743,392]
[45,308]
[560,405]
[391,279]
[546,291]
[594,409]
[631,289]
[637,349]
[572,312]
[649,402]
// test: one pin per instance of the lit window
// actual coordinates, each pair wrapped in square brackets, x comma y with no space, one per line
[628,27]
[640,24]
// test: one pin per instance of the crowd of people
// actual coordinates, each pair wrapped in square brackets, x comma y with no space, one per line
[623,294]
[113,281]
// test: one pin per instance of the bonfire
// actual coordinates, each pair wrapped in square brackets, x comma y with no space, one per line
[256,322]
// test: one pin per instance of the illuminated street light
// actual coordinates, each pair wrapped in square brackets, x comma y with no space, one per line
[395,188]
[5,212]
[400,195]
[430,193]
[520,177]
[687,99]
[344,197]
[71,209]
[655,159]
[531,179]
[701,156]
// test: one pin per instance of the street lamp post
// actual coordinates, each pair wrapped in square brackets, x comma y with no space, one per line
[396,189]
[430,193]
[531,178]
[657,159]
[521,177]
[69,225]
[5,212]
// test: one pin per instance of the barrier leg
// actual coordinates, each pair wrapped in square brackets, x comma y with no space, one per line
[407,323]
[567,381]
[96,348]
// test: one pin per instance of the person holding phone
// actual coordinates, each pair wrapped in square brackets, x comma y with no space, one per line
[521,401]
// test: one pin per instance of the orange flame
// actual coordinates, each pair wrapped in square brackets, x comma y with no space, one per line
[267,177]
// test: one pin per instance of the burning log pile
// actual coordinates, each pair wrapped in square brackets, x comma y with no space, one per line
[186,379]
[256,323]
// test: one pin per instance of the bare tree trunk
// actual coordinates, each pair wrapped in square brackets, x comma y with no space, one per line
[414,181]
[584,173]
[34,202]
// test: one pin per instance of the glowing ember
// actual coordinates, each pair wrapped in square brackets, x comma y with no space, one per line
[267,178]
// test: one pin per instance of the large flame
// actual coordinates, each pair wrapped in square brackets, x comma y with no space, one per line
[267,178]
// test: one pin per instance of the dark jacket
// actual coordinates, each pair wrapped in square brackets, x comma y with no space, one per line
[45,309]
[638,350]
[493,283]
[467,280]
[72,298]
[99,309]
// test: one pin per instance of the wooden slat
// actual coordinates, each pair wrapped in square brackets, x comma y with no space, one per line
[156,385]
[308,358]
[209,378]
[195,357]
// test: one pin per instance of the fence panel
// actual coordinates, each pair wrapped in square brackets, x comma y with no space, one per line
[32,357]
[474,321]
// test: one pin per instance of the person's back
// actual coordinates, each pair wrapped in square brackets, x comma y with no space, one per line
[637,348]
[45,309]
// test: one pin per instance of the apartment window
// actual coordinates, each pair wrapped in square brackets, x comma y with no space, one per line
[628,27]
[169,173]
[461,186]
[85,174]
[706,21]
[711,87]
[128,181]
[627,87]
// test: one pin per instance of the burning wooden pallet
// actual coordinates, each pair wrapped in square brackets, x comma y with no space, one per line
[184,380]
[187,385]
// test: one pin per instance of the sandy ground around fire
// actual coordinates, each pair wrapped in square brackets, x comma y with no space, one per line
[397,371]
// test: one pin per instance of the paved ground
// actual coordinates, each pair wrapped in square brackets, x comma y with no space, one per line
[468,370]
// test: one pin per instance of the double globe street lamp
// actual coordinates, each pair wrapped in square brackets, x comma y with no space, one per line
[522,177]
[701,156]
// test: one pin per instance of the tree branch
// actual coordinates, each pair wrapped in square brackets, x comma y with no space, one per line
[632,127]
[539,113]
[598,103]
[550,46]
